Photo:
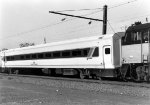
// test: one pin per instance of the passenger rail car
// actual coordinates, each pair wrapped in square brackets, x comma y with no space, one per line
[97,56]
[122,55]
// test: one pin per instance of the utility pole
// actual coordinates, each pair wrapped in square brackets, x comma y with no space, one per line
[104,18]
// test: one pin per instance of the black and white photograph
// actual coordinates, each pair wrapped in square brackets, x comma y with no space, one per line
[74,52]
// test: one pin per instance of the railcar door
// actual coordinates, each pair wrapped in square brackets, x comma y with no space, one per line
[107,56]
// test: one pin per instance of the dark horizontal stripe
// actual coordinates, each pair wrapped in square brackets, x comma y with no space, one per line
[75,53]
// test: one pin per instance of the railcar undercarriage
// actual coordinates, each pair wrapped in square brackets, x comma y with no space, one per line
[134,72]
[82,73]
[128,72]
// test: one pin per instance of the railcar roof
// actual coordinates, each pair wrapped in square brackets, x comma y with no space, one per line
[62,42]
[139,27]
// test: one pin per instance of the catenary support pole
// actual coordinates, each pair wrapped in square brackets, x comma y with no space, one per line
[104,19]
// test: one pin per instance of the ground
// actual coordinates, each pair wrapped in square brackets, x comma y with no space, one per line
[16,93]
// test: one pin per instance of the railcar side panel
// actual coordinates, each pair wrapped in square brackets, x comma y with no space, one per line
[131,53]
[58,63]
[134,53]
[79,62]
[117,53]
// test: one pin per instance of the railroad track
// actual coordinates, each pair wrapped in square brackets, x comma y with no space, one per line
[110,82]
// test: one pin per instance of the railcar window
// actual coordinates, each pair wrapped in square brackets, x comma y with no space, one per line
[96,52]
[76,53]
[107,50]
[56,54]
[40,55]
[128,38]
[34,56]
[132,38]
[22,57]
[93,52]
[123,40]
[145,36]
[12,57]
[85,52]
[28,56]
[135,38]
[139,37]
[16,57]
[48,55]
[8,58]
[66,53]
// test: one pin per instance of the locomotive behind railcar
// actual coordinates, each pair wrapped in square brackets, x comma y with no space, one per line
[135,51]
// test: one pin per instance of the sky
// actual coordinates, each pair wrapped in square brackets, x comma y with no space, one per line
[29,21]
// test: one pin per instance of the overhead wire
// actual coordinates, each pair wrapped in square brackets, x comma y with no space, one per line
[79,10]
[132,18]
[111,26]
[43,27]
[132,14]
[108,8]
[113,29]
[47,26]
[25,32]
[122,4]
[78,30]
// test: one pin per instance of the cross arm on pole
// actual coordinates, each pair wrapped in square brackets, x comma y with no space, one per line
[74,16]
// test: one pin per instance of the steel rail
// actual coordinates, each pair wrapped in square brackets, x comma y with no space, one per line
[120,83]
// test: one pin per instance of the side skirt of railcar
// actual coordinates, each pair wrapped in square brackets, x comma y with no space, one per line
[71,72]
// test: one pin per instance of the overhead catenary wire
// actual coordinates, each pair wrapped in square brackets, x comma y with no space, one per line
[29,31]
[47,26]
[78,30]
[111,26]
[125,3]
[80,10]
[113,29]
[133,18]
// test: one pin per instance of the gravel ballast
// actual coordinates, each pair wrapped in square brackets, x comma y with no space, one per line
[99,87]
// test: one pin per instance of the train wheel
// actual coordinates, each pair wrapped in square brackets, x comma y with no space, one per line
[121,76]
[93,76]
[81,75]
[148,79]
[99,78]
[141,73]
